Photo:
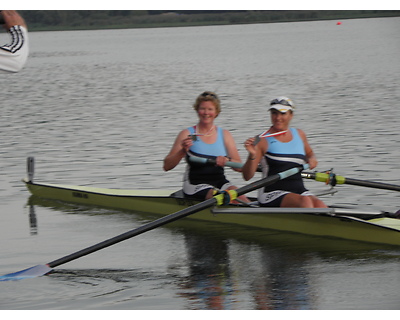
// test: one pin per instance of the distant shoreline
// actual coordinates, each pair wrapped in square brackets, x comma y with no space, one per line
[69,20]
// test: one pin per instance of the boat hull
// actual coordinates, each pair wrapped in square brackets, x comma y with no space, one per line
[316,222]
[153,201]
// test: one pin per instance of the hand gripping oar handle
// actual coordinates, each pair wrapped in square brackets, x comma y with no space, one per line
[213,161]
[222,198]
[237,165]
[335,179]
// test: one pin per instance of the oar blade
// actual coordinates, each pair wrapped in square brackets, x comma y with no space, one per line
[33,272]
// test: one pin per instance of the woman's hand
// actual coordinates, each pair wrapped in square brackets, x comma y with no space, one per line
[250,147]
[179,149]
[221,161]
[12,18]
[312,162]
[186,144]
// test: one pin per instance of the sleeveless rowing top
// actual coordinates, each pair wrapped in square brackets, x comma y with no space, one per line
[281,156]
[206,173]
[215,149]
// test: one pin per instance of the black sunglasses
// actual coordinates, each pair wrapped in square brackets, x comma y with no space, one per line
[282,102]
[206,94]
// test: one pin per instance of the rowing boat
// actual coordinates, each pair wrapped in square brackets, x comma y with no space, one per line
[345,223]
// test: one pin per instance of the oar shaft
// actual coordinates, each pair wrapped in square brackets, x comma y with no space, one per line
[372,184]
[147,227]
[175,216]
[269,180]
[325,177]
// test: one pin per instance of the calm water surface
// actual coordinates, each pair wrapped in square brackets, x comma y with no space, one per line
[102,108]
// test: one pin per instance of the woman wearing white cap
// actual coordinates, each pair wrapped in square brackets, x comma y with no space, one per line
[277,149]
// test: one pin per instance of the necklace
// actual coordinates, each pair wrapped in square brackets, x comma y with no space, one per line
[208,133]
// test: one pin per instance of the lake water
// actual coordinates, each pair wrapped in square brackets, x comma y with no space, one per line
[102,108]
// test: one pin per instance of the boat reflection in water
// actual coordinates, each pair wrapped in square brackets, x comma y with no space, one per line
[222,272]
[223,266]
[32,220]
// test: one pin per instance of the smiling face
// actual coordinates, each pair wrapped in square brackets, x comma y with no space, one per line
[208,96]
[281,121]
[207,112]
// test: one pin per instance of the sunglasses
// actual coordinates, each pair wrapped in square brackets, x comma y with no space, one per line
[206,94]
[282,102]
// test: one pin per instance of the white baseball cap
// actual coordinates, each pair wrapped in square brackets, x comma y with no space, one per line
[282,104]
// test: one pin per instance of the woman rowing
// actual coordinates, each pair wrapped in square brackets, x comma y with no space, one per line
[204,140]
[280,148]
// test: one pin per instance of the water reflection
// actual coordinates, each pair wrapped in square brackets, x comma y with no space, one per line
[33,220]
[273,280]
[225,267]
[208,285]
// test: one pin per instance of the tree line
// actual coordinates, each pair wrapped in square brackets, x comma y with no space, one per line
[38,20]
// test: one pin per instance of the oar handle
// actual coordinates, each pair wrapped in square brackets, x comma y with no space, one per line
[231,164]
[335,179]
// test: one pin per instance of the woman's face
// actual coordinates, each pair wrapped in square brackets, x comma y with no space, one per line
[207,112]
[281,121]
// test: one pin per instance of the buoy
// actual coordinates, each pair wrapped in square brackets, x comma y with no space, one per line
[338,23]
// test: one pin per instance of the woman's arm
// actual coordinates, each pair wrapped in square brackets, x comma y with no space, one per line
[13,56]
[181,145]
[231,149]
[310,156]
[256,153]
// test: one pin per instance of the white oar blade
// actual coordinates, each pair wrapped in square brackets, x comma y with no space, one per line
[32,272]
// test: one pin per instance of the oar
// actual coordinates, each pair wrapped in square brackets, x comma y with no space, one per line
[213,161]
[231,164]
[334,179]
[328,178]
[220,199]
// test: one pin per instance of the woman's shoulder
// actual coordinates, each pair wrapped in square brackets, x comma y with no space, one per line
[225,132]
[296,130]
[184,132]
[300,132]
